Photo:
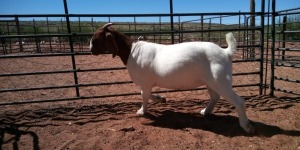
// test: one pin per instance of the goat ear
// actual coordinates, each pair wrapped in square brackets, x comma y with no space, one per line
[111,44]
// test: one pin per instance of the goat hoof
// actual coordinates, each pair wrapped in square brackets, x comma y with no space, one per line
[141,112]
[249,128]
[163,99]
[204,112]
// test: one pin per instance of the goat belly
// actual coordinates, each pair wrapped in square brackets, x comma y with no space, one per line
[184,78]
[180,84]
[182,71]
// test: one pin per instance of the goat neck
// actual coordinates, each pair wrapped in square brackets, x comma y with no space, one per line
[124,44]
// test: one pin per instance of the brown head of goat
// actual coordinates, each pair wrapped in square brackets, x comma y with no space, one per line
[106,39]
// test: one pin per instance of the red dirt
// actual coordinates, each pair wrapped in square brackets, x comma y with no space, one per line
[112,124]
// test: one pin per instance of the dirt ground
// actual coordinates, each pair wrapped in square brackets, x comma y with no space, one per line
[111,123]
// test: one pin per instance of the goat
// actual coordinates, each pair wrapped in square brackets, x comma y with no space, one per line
[178,66]
[141,38]
[17,43]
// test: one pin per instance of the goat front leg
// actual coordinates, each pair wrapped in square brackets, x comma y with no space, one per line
[146,93]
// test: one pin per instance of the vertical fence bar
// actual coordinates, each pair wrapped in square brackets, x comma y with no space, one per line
[72,49]
[202,27]
[3,42]
[38,49]
[8,33]
[80,37]
[239,32]
[262,42]
[19,33]
[172,21]
[209,28]
[283,36]
[273,48]
[267,47]
[154,35]
[252,25]
[245,37]
[220,27]
[160,29]
[92,23]
[179,30]
[50,44]
[134,22]
[59,38]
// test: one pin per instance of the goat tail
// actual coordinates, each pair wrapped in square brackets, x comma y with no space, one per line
[231,43]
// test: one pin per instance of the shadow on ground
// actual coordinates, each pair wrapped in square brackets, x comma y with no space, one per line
[175,114]
[226,125]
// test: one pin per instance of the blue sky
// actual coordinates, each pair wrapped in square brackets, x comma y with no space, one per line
[132,6]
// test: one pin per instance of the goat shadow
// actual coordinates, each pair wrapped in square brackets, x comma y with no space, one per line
[225,125]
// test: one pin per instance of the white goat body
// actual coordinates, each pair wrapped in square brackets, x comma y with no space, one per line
[179,66]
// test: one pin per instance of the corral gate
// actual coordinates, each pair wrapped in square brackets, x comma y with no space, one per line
[285,50]
[50,57]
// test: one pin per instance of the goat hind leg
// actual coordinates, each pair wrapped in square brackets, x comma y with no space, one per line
[214,97]
[224,89]
[239,103]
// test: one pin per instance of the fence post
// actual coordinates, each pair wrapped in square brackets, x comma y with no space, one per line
[202,27]
[262,42]
[283,36]
[38,49]
[72,49]
[160,29]
[49,38]
[220,27]
[172,21]
[8,33]
[59,39]
[80,38]
[252,25]
[19,33]
[273,48]
[209,28]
